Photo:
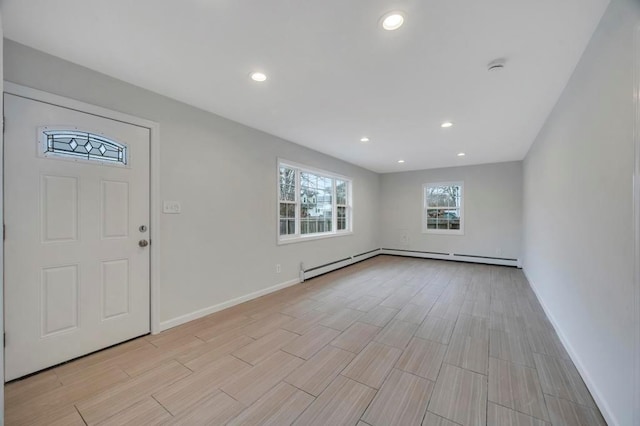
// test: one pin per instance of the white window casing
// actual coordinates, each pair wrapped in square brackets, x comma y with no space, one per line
[443,208]
[307,214]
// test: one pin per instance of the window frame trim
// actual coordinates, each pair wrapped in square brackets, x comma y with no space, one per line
[456,232]
[297,237]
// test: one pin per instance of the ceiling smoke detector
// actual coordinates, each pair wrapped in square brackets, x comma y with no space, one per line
[496,65]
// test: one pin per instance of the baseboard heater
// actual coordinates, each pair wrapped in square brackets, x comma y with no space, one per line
[453,256]
[308,273]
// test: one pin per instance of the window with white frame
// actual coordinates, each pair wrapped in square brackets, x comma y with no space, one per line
[443,208]
[312,203]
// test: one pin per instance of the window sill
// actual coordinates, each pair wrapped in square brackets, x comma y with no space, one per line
[443,232]
[283,241]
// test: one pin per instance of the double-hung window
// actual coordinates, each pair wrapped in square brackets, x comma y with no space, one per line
[312,203]
[443,208]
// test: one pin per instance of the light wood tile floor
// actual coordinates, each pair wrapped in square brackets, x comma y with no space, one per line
[389,341]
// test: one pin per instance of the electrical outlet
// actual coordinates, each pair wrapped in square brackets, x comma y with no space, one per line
[171,207]
[278,268]
[404,238]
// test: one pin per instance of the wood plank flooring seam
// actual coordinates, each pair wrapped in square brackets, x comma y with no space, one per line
[526,414]
[241,360]
[162,405]
[80,414]
[430,412]
[568,400]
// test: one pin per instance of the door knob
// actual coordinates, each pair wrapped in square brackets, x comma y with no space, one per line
[143,243]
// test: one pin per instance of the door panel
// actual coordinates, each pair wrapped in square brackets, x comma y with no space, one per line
[76,279]
[115,209]
[59,299]
[115,288]
[59,208]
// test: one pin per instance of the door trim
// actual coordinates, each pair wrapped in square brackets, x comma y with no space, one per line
[154,178]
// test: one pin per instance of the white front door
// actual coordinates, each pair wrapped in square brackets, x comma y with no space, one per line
[76,209]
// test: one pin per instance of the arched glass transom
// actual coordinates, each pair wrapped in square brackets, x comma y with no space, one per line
[85,145]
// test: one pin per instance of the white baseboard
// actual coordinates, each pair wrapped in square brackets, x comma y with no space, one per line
[452,256]
[584,372]
[165,325]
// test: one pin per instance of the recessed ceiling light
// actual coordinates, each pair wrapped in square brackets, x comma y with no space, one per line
[461,154]
[364,139]
[258,76]
[446,124]
[392,20]
[400,161]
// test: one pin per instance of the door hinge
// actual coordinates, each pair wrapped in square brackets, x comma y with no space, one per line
[4,340]
[4,233]
[4,120]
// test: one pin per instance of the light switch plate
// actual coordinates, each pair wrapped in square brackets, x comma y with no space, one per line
[171,207]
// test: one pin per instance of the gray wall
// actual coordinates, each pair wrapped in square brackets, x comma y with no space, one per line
[492,210]
[578,240]
[223,245]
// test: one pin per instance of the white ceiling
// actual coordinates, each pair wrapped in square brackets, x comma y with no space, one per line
[334,74]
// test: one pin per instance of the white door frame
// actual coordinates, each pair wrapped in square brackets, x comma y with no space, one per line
[636,219]
[154,178]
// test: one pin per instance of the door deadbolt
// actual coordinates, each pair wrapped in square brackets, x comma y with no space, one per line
[143,243]
[142,228]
